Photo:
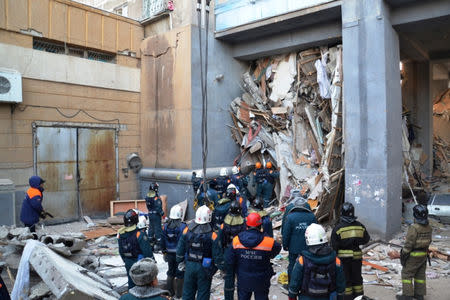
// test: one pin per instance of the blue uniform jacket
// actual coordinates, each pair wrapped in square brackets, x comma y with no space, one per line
[183,246]
[32,204]
[294,228]
[167,245]
[297,274]
[250,256]
[154,203]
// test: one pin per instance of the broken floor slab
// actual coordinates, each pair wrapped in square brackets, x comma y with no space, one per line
[67,280]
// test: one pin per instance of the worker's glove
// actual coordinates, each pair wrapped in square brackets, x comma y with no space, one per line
[42,215]
[403,257]
[292,298]
[181,266]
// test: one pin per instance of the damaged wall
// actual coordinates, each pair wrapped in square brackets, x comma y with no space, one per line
[221,147]
[166,100]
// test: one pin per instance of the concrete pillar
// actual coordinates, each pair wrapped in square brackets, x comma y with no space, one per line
[372,115]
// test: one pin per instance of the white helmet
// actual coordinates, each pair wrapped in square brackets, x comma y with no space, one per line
[223,172]
[176,212]
[232,186]
[315,235]
[203,215]
[142,222]
[235,170]
[199,174]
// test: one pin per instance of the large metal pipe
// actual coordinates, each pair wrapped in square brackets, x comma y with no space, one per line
[181,176]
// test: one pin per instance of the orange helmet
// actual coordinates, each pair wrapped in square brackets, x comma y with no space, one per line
[254,220]
[258,165]
[269,165]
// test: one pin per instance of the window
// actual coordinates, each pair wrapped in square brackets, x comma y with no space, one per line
[442,199]
[122,10]
[72,50]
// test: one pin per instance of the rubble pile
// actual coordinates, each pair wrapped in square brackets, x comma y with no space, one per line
[76,260]
[414,158]
[291,114]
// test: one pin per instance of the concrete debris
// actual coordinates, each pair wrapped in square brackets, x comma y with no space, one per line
[299,129]
[4,232]
[39,291]
[66,279]
[19,231]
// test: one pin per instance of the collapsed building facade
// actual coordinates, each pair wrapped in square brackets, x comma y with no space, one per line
[143,95]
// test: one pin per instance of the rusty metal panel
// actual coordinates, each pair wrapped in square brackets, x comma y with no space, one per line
[56,163]
[97,168]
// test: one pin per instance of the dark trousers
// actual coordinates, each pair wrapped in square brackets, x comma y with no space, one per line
[32,227]
[173,266]
[154,227]
[259,295]
[196,282]
[292,259]
[353,277]
[229,279]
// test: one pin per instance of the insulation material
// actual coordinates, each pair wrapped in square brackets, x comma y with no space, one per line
[300,128]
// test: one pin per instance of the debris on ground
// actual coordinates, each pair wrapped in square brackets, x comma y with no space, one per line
[291,114]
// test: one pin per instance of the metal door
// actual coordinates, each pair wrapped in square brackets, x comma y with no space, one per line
[56,162]
[97,170]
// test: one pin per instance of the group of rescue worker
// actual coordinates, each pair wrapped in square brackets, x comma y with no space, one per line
[238,240]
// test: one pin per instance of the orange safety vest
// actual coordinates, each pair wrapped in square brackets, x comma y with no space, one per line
[265,245]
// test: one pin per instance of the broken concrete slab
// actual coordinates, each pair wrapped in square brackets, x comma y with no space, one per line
[67,280]
[39,291]
[4,232]
[19,231]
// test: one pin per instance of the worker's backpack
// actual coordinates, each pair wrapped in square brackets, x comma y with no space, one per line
[129,245]
[318,280]
[173,232]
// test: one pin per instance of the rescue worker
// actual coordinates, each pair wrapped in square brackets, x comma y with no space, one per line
[172,232]
[196,179]
[265,180]
[221,183]
[32,204]
[233,224]
[200,248]
[223,206]
[133,243]
[317,274]
[413,255]
[290,204]
[250,256]
[155,213]
[240,181]
[211,201]
[346,239]
[144,274]
[258,207]
[298,218]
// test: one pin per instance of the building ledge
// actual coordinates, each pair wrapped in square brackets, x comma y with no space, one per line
[323,13]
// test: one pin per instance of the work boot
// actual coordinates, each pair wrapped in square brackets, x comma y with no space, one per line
[402,297]
[179,287]
[418,297]
[170,285]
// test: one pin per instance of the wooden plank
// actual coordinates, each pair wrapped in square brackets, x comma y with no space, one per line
[98,232]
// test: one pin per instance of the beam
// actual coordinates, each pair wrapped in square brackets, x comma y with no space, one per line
[411,49]
[317,35]
[423,10]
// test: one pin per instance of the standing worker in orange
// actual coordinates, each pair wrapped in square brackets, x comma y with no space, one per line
[32,204]
[250,257]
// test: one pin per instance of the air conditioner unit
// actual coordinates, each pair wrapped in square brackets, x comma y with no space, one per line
[10,86]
